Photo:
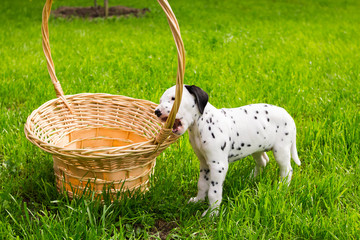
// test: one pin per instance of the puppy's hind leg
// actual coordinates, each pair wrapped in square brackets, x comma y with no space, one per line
[261,159]
[282,157]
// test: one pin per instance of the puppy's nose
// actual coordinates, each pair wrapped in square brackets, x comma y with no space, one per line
[158,112]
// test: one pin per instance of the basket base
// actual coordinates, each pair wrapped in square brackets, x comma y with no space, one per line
[76,180]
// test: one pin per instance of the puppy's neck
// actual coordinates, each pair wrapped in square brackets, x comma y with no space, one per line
[193,128]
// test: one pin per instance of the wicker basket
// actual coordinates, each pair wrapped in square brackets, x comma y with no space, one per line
[100,140]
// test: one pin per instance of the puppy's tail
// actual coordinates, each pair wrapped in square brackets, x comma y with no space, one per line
[294,153]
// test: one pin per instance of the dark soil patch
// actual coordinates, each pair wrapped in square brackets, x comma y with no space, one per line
[94,12]
[163,228]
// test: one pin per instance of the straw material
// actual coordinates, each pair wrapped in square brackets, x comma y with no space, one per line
[99,139]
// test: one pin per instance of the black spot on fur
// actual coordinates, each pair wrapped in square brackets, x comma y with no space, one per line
[239,148]
[268,119]
[214,191]
[223,147]
[255,117]
[219,171]
[257,112]
[204,142]
[259,145]
[212,134]
[285,124]
[266,112]
[232,146]
[249,145]
[245,111]
[257,132]
[237,134]
[209,128]
[286,133]
[220,130]
[242,144]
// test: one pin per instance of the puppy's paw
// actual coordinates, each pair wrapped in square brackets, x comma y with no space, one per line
[211,212]
[265,157]
[195,200]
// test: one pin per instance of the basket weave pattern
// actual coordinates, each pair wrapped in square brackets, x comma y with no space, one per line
[98,138]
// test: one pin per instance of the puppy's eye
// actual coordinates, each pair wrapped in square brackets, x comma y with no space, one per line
[173,98]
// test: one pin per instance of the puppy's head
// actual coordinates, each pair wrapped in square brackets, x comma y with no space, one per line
[193,103]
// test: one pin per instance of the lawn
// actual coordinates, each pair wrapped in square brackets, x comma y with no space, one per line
[301,55]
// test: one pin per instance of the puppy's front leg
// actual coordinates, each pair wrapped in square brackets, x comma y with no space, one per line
[203,183]
[218,168]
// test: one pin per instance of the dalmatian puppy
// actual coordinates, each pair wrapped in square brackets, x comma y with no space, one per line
[222,136]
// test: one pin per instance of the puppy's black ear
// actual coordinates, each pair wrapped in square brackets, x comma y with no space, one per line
[201,97]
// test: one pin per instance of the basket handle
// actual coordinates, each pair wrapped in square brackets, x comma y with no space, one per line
[175,29]
[47,52]
[174,26]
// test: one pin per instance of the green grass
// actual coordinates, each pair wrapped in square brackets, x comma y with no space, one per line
[301,55]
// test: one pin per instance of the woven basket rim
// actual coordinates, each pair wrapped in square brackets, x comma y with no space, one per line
[92,153]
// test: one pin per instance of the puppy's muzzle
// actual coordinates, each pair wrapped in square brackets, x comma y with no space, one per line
[177,124]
